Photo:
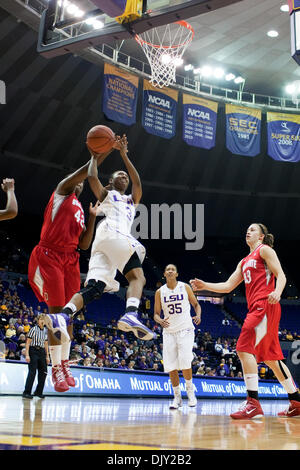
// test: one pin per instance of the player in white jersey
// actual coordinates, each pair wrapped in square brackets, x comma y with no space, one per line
[175,299]
[114,248]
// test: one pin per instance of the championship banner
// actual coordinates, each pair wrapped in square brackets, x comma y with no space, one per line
[283,136]
[159,111]
[243,129]
[199,121]
[120,92]
[294,5]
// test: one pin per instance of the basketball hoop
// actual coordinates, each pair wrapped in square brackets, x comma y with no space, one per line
[164,47]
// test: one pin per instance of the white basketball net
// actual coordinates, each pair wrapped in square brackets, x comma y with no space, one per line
[164,47]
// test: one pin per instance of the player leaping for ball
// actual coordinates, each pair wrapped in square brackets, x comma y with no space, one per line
[53,270]
[114,248]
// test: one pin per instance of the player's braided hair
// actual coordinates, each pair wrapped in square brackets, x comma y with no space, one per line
[268,237]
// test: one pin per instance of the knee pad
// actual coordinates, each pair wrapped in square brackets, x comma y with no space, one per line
[92,291]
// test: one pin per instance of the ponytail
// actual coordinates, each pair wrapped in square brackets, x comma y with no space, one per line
[268,237]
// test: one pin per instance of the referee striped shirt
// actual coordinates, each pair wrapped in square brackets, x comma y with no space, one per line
[38,336]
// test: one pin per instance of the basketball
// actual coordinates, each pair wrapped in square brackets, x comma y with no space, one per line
[100,139]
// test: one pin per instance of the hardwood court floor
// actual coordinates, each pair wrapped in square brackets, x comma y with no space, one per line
[69,423]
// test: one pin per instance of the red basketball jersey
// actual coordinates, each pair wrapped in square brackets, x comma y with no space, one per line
[259,280]
[62,224]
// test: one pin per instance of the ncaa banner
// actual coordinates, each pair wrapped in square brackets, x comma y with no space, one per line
[199,121]
[283,136]
[243,129]
[294,5]
[120,92]
[159,111]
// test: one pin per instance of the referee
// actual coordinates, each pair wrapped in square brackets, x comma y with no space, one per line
[37,356]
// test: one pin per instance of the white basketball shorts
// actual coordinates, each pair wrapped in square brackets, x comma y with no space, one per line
[178,349]
[111,251]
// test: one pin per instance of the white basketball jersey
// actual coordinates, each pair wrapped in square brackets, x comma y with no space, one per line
[119,211]
[176,307]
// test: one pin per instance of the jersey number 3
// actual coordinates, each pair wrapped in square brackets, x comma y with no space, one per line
[247,276]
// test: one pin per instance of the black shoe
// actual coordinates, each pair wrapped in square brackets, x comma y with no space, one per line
[27,395]
[40,395]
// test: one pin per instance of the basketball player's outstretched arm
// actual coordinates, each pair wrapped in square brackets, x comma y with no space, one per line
[270,257]
[136,191]
[11,210]
[222,287]
[68,184]
[96,186]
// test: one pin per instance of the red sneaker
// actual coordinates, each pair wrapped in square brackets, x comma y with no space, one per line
[292,411]
[58,379]
[248,410]
[67,373]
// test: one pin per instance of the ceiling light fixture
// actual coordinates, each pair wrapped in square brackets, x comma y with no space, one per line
[219,73]
[285,8]
[229,77]
[272,33]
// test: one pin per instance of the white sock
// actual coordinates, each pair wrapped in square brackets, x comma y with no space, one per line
[177,391]
[132,302]
[65,351]
[71,306]
[55,354]
[251,381]
[289,385]
[189,385]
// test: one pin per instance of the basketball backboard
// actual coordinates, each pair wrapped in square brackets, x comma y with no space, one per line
[67,26]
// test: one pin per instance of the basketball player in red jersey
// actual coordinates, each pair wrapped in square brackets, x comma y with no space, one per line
[258,341]
[11,209]
[53,270]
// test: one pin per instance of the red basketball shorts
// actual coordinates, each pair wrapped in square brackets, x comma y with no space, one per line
[54,276]
[259,334]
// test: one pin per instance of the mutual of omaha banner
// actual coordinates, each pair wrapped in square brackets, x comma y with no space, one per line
[283,136]
[120,95]
[159,110]
[199,121]
[243,129]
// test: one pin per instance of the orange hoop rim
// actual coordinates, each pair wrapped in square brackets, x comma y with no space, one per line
[183,23]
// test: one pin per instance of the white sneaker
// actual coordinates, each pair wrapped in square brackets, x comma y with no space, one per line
[192,400]
[176,403]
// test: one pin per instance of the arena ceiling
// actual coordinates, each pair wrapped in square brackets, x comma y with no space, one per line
[51,104]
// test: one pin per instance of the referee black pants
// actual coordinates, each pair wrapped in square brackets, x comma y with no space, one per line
[37,363]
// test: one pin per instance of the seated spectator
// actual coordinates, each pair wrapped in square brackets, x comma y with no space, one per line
[289,336]
[98,362]
[209,372]
[155,367]
[107,363]
[131,365]
[22,356]
[10,331]
[87,362]
[201,370]
[142,364]
[218,347]
[100,343]
[123,365]
[223,368]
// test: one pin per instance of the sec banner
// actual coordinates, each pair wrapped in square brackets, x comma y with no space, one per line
[119,95]
[159,111]
[199,122]
[283,137]
[243,129]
